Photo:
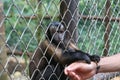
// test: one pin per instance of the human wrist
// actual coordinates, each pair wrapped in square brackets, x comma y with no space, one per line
[102,65]
[97,68]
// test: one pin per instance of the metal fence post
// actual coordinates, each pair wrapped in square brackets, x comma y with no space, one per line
[107,28]
[3,55]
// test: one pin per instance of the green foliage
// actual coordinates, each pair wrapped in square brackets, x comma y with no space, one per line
[20,36]
[21,32]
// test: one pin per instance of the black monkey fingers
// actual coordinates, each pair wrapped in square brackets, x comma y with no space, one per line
[69,57]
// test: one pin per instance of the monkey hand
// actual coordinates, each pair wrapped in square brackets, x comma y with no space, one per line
[94,58]
[69,57]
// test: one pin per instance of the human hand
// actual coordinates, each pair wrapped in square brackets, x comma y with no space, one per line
[80,70]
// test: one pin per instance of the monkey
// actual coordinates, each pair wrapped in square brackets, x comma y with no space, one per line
[54,53]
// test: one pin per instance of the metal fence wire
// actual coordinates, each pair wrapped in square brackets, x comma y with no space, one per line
[94,25]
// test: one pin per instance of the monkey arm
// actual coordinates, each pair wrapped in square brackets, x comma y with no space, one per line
[78,55]
[73,46]
[70,55]
[53,50]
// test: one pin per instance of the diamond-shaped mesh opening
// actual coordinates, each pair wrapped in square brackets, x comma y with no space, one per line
[93,25]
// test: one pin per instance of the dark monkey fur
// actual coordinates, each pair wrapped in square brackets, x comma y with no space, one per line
[54,53]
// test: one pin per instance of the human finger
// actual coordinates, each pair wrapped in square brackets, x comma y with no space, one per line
[74,76]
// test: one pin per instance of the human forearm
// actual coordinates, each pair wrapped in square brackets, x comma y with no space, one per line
[110,64]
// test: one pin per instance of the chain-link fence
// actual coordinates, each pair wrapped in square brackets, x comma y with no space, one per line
[93,25]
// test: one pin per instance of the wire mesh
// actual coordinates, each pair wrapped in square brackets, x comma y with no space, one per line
[24,23]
